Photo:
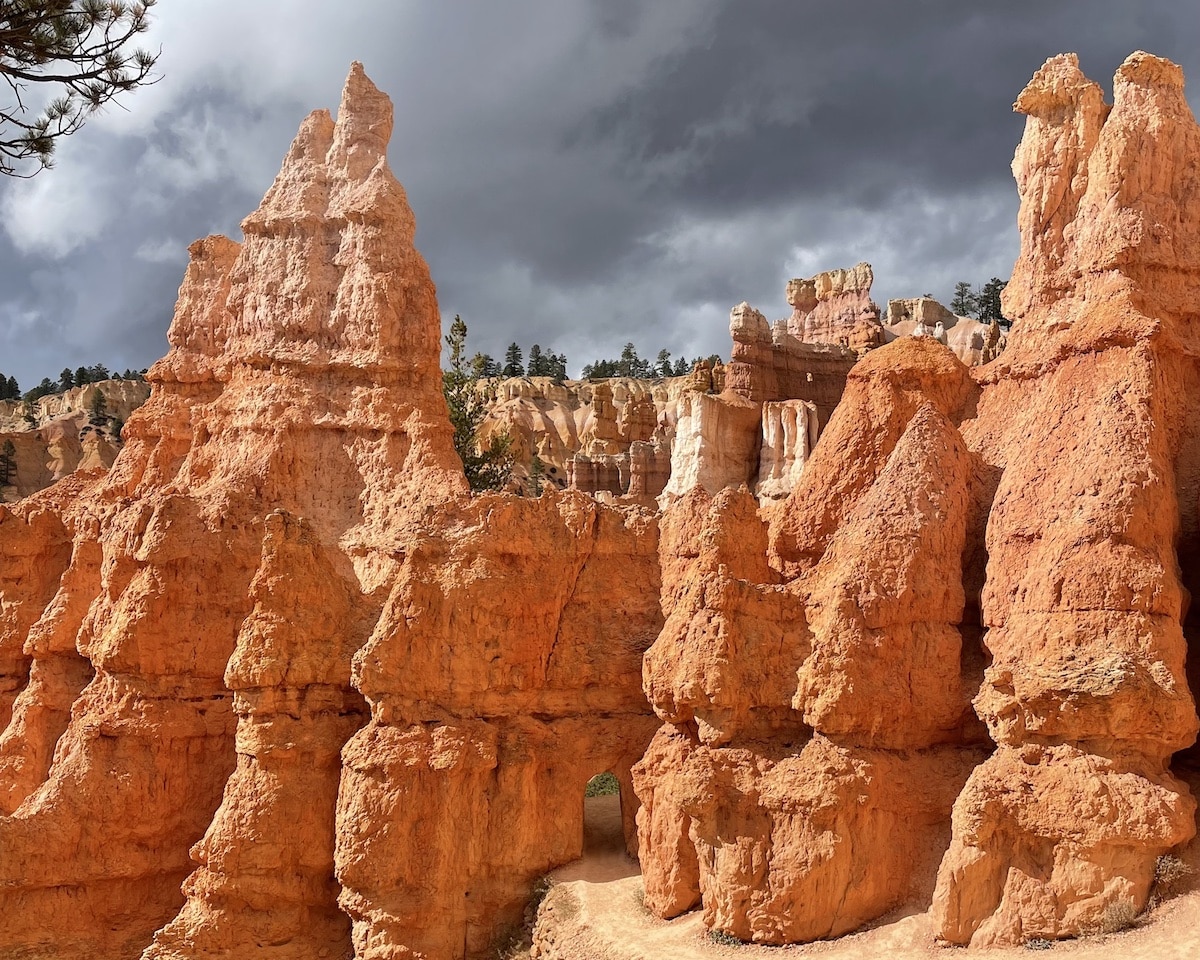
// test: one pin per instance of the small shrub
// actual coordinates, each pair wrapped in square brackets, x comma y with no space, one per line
[639,899]
[1170,873]
[1039,943]
[1118,915]
[566,907]
[511,945]
[602,785]
[724,939]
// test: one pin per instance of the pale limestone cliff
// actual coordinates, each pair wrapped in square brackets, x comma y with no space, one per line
[64,432]
[790,429]
[716,443]
[974,342]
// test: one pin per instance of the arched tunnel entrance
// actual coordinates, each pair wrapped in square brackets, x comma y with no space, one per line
[602,830]
[605,856]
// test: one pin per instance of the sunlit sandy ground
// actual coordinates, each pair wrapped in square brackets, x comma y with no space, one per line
[597,903]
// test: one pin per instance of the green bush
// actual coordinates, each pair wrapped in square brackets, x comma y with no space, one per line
[602,785]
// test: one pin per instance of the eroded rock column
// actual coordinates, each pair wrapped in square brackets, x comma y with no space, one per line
[1086,696]
[504,674]
[816,725]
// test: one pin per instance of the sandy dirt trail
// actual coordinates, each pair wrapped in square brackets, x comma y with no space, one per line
[595,913]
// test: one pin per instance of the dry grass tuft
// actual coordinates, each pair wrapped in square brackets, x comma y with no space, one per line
[1118,915]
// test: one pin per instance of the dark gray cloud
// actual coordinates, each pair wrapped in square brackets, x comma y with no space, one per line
[584,172]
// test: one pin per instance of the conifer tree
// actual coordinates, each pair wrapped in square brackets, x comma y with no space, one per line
[484,366]
[537,476]
[964,300]
[513,367]
[79,50]
[43,389]
[556,366]
[488,467]
[988,301]
[8,463]
[9,389]
[98,408]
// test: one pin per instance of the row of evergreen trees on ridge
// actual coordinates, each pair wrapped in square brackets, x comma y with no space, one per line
[547,363]
[79,377]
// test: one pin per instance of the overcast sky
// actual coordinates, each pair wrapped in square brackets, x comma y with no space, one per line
[583,172]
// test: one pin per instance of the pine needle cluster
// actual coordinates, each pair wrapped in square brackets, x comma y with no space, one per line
[81,49]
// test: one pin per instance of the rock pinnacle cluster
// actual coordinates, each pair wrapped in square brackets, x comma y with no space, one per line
[878,614]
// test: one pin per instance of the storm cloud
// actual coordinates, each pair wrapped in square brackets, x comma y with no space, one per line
[583,172]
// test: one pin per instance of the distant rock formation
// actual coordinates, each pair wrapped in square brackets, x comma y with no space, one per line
[584,433]
[769,363]
[790,429]
[835,307]
[56,435]
[974,342]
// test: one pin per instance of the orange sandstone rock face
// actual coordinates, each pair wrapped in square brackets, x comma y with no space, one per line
[883,393]
[503,674]
[276,683]
[267,402]
[1044,497]
[1087,417]
[40,679]
[265,673]
[266,860]
[886,599]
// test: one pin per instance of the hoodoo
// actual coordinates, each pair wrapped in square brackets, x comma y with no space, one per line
[1034,503]
[872,598]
